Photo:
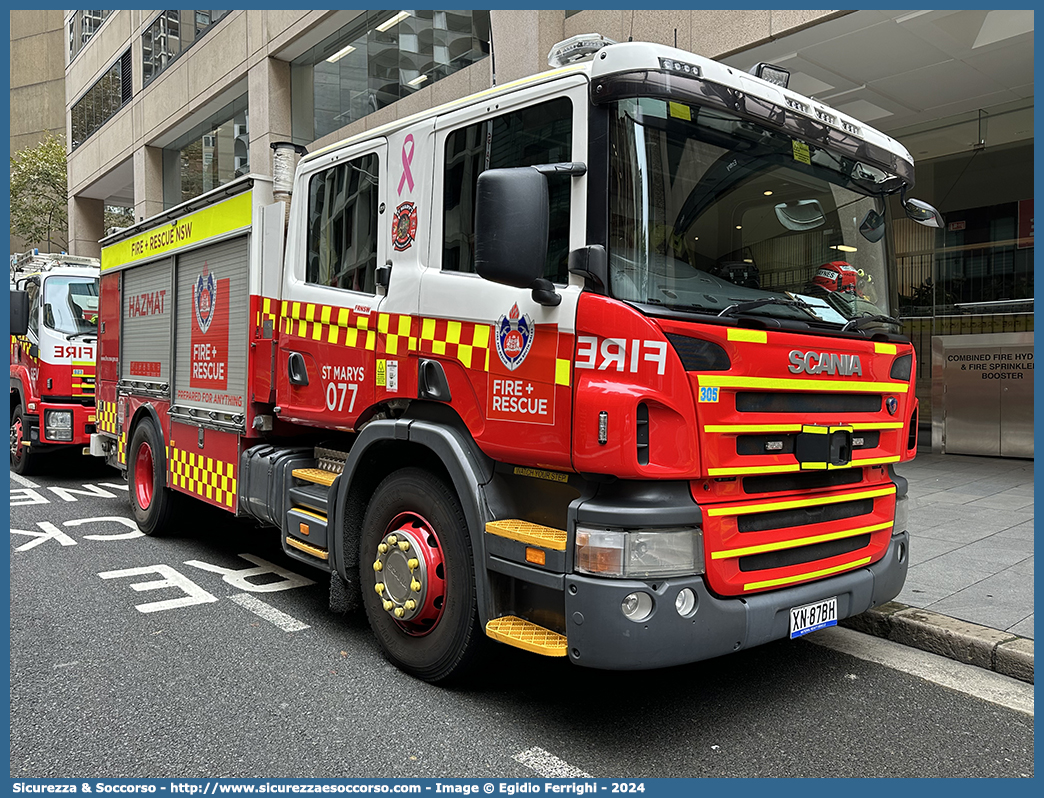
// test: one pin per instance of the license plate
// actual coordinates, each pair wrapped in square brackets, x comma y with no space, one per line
[812,617]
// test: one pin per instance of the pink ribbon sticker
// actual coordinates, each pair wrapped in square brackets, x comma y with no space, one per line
[407,159]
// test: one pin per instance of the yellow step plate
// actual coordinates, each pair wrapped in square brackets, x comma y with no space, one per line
[534,534]
[525,634]
[315,551]
[316,475]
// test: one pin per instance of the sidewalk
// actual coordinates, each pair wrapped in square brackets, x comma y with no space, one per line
[969,591]
[971,539]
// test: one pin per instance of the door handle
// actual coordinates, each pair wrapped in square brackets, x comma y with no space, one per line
[296,369]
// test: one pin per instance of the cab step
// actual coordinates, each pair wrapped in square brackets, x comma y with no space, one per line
[317,475]
[527,635]
[329,463]
[526,532]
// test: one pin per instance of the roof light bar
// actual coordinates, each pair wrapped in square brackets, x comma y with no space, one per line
[771,73]
[577,48]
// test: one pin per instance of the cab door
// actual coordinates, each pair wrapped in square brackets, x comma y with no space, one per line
[328,314]
[507,360]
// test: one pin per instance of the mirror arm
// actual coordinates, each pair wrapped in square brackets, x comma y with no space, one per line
[544,293]
[573,169]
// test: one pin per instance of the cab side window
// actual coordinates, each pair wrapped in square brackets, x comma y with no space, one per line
[342,226]
[32,287]
[529,136]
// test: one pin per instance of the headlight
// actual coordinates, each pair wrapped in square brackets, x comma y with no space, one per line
[58,425]
[902,515]
[671,551]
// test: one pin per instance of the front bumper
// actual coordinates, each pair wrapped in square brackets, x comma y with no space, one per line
[83,424]
[599,635]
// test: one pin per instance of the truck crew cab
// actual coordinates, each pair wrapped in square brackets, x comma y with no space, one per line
[598,364]
[54,328]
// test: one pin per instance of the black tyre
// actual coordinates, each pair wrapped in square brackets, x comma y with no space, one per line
[23,460]
[153,503]
[417,574]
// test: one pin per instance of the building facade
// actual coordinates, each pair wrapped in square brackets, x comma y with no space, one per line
[163,105]
[37,83]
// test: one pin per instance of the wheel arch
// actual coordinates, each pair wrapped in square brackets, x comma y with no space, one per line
[388,445]
[147,410]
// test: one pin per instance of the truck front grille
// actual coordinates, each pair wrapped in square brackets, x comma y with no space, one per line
[809,403]
[803,555]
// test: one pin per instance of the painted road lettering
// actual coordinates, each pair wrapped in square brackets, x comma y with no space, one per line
[66,494]
[31,495]
[194,594]
[48,532]
[52,532]
[240,579]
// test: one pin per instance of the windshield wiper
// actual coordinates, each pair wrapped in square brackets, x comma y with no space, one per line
[72,336]
[870,318]
[743,307]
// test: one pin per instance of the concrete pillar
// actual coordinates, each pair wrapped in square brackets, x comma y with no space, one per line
[86,226]
[269,97]
[148,182]
[522,40]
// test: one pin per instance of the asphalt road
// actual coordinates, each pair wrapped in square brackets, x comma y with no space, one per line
[219,678]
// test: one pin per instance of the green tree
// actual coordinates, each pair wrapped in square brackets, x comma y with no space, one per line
[39,195]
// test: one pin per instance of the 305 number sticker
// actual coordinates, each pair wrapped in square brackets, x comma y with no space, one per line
[708,394]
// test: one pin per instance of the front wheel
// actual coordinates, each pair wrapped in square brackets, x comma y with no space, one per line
[23,461]
[152,502]
[417,574]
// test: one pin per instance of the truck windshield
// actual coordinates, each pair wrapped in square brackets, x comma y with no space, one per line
[70,304]
[710,212]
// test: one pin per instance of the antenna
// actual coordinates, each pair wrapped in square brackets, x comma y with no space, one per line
[492,54]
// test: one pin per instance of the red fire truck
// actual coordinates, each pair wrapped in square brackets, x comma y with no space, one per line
[597,364]
[54,328]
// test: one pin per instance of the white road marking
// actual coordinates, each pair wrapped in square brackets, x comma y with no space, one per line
[66,494]
[964,678]
[549,766]
[194,594]
[268,612]
[241,579]
[25,483]
[116,485]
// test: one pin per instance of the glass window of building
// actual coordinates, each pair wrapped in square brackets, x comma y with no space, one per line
[529,136]
[82,27]
[342,226]
[170,34]
[378,58]
[102,100]
[213,153]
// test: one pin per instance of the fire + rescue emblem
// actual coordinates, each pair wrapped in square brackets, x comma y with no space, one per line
[404,226]
[514,337]
[204,299]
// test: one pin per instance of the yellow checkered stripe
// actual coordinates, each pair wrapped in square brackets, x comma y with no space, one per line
[121,448]
[466,341]
[206,477]
[325,323]
[106,417]
[266,313]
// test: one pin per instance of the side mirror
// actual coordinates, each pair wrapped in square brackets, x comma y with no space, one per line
[801,215]
[19,312]
[511,230]
[921,212]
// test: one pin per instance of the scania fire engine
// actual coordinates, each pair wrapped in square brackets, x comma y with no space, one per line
[54,329]
[597,363]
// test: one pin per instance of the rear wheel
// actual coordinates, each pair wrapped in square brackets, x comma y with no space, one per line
[152,501]
[23,461]
[418,576]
